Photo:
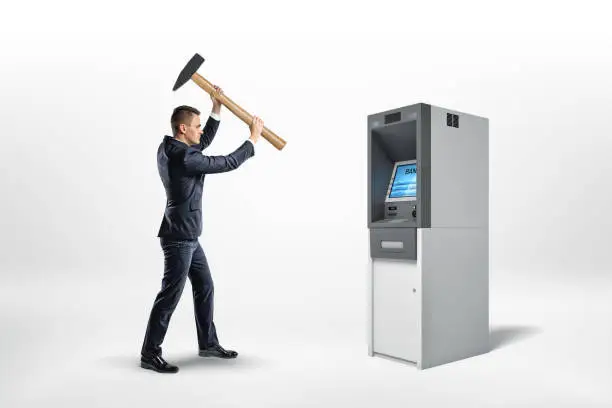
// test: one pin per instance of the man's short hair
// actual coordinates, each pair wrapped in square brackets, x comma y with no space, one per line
[182,115]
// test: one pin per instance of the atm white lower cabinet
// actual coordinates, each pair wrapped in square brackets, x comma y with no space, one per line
[435,309]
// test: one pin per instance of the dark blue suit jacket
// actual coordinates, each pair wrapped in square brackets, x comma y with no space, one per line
[182,169]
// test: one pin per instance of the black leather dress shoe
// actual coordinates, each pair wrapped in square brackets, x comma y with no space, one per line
[217,351]
[158,364]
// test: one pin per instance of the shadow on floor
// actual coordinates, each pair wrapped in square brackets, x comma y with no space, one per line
[187,361]
[502,336]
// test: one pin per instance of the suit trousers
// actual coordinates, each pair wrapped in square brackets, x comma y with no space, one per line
[182,259]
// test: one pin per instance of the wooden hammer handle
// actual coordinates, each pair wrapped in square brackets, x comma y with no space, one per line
[245,116]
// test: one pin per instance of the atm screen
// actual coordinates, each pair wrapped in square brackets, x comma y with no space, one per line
[404,183]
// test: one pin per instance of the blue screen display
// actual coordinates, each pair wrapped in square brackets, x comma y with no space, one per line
[405,181]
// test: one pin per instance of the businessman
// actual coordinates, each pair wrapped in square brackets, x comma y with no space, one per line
[182,168]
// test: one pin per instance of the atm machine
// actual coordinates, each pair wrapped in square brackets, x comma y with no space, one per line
[428,221]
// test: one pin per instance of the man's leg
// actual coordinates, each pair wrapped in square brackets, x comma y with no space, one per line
[203,302]
[177,259]
[203,299]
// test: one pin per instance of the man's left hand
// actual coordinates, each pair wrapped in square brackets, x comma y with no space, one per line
[216,104]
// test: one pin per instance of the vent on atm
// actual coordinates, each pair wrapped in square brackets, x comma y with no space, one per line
[393,117]
[452,120]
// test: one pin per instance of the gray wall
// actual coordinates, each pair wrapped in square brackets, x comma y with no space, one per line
[82,116]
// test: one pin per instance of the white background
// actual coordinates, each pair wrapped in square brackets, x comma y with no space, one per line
[86,99]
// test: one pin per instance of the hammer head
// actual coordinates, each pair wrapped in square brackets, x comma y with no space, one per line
[190,69]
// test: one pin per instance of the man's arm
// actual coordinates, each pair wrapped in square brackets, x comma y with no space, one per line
[197,163]
[212,124]
[209,132]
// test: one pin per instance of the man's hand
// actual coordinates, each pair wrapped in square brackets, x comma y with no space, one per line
[256,128]
[216,104]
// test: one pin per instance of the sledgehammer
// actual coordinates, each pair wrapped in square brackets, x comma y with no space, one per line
[189,72]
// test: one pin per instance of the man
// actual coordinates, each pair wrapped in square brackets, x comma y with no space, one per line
[182,168]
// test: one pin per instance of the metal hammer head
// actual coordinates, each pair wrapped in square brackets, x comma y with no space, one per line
[190,69]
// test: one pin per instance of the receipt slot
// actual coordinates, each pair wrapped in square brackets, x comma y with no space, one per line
[428,222]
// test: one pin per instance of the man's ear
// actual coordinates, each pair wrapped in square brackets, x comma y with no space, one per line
[182,128]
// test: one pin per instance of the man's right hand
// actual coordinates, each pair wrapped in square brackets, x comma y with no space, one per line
[256,128]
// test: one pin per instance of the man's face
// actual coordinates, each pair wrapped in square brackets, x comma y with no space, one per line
[193,131]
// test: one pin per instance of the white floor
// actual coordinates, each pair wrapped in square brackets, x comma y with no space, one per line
[75,342]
